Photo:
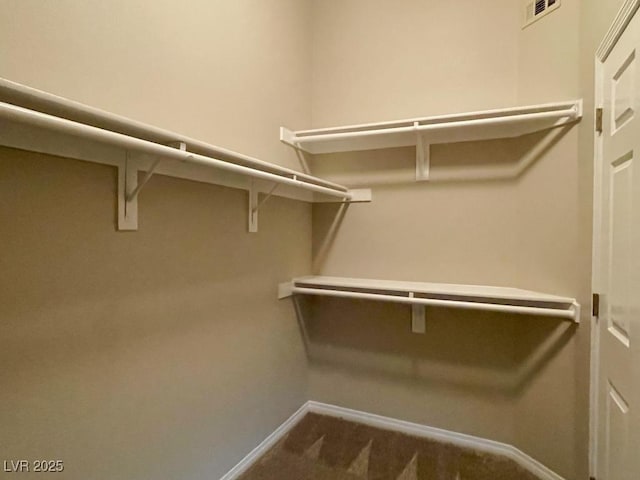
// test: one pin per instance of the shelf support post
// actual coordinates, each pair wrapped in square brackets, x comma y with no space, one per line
[418,317]
[127,207]
[254,205]
[147,176]
[575,308]
[129,188]
[285,290]
[423,156]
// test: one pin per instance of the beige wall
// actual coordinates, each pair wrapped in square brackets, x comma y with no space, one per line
[377,60]
[374,61]
[531,231]
[552,411]
[574,33]
[153,354]
[161,353]
[134,354]
[229,73]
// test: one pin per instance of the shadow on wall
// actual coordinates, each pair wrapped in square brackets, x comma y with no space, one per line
[332,216]
[484,352]
[503,160]
[487,160]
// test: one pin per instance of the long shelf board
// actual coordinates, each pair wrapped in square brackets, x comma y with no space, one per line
[61,107]
[461,127]
[476,297]
[41,122]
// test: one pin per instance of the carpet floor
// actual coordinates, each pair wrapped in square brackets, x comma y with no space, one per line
[328,448]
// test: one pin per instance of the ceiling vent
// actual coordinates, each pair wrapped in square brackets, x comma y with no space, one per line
[536,9]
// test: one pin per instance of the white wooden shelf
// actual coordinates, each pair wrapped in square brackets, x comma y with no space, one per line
[422,132]
[472,297]
[38,121]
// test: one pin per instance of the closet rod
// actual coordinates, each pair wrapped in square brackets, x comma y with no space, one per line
[571,113]
[46,102]
[540,311]
[43,120]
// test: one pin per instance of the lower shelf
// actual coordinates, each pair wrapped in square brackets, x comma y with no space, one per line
[471,297]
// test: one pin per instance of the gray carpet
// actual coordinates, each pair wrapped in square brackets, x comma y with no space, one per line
[327,448]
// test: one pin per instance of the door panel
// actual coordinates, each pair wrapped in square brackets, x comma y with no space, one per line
[623,94]
[620,217]
[617,431]
[619,264]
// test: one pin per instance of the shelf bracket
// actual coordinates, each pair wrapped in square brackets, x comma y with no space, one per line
[289,137]
[149,173]
[418,317]
[423,156]
[285,290]
[133,194]
[253,208]
[267,197]
[575,308]
[129,188]
[127,207]
[254,205]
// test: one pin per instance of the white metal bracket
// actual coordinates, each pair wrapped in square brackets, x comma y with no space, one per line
[423,156]
[127,207]
[288,136]
[254,205]
[129,188]
[418,317]
[575,307]
[285,290]
[253,208]
[133,194]
[360,195]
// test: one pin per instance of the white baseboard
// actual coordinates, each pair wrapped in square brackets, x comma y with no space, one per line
[266,444]
[387,423]
[417,430]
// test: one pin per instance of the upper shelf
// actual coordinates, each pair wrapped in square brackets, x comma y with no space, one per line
[472,297]
[462,127]
[54,105]
[34,120]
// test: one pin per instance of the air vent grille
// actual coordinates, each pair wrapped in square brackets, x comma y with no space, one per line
[536,9]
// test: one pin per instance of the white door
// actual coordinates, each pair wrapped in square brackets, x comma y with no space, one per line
[617,261]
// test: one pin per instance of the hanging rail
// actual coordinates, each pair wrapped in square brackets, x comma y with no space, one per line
[38,100]
[419,295]
[129,186]
[570,113]
[38,119]
[426,131]
[493,307]
[151,147]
